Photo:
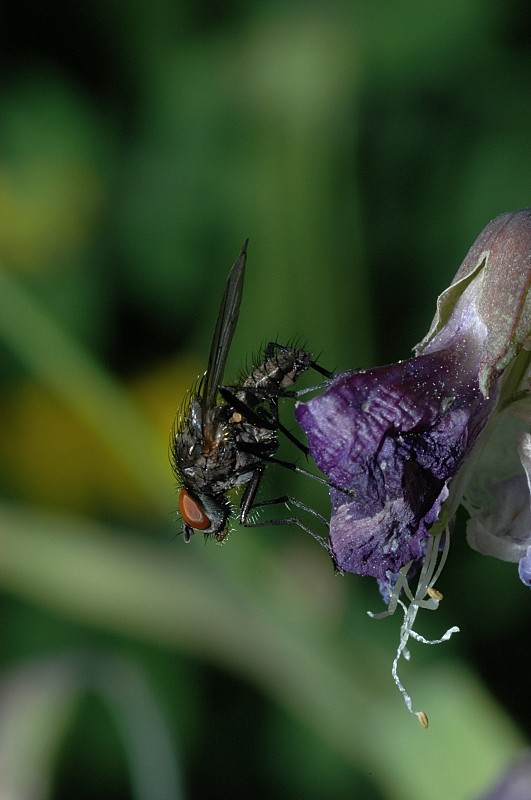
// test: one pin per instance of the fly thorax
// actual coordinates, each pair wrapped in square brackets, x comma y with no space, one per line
[196,416]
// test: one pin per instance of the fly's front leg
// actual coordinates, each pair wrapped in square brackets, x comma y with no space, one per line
[291,520]
[248,505]
[249,495]
[288,500]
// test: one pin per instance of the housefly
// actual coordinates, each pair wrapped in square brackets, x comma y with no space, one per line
[227,434]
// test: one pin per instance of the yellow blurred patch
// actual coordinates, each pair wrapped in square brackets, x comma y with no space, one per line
[49,457]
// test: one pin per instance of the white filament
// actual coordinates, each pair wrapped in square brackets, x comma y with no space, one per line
[431,569]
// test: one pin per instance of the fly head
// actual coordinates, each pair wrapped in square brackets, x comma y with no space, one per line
[204,513]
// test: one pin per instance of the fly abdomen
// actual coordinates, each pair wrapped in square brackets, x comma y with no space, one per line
[279,370]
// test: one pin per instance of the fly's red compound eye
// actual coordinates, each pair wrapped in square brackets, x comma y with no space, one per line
[192,512]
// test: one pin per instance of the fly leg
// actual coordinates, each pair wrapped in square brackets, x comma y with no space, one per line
[261,420]
[301,471]
[270,352]
[249,448]
[248,505]
[283,392]
[269,422]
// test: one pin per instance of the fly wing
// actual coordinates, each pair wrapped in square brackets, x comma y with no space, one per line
[223,333]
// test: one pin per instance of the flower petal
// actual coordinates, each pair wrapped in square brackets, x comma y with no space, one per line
[503,531]
[392,437]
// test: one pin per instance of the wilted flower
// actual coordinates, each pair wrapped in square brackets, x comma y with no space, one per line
[404,445]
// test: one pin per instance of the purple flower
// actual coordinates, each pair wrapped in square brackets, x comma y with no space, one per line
[403,445]
[394,440]
[393,437]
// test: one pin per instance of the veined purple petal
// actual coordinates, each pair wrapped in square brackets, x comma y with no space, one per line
[393,437]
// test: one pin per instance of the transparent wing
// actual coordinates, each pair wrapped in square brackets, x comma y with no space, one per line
[223,333]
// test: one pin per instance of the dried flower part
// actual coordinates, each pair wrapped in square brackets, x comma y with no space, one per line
[501,256]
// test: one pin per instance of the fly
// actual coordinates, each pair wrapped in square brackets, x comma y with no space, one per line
[227,434]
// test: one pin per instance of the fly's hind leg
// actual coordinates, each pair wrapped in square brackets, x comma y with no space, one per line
[270,352]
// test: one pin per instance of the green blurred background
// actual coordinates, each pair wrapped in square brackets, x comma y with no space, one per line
[361,147]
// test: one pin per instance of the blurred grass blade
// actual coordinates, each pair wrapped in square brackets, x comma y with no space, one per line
[38,702]
[340,691]
[80,381]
